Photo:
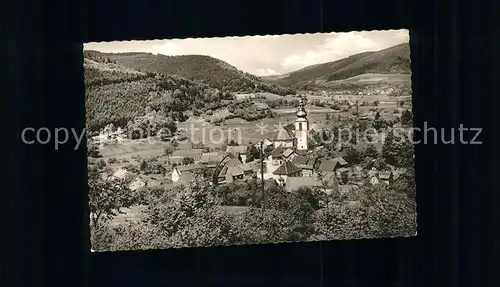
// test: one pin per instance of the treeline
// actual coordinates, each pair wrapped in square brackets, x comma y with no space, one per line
[211,71]
[117,95]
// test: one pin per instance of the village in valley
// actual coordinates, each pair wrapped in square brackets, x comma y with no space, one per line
[318,162]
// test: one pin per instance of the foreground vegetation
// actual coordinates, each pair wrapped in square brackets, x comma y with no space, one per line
[194,215]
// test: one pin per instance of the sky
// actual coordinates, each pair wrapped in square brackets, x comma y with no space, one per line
[266,55]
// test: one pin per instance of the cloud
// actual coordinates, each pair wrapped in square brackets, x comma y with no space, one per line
[265,72]
[166,48]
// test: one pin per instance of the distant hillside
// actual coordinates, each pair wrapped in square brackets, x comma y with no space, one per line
[117,94]
[203,69]
[393,60]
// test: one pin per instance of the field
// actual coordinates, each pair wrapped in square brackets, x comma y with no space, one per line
[240,130]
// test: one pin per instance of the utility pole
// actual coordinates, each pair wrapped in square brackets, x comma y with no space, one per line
[262,171]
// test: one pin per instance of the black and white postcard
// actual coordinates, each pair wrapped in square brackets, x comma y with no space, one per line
[249,140]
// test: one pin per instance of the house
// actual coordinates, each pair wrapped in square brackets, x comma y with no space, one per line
[229,156]
[342,175]
[179,154]
[305,163]
[233,170]
[211,159]
[239,150]
[330,165]
[286,170]
[386,177]
[121,173]
[373,176]
[185,178]
[194,169]
[276,156]
[326,184]
[289,154]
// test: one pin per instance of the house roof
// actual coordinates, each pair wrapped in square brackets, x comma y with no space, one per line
[185,178]
[234,170]
[330,164]
[187,153]
[246,167]
[288,152]
[227,157]
[278,152]
[233,162]
[211,157]
[327,177]
[343,169]
[239,149]
[189,167]
[286,168]
[385,175]
[303,162]
[341,160]
[121,173]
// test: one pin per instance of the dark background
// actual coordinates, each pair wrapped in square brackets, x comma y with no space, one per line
[45,201]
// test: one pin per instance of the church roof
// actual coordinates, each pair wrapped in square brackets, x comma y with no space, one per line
[284,135]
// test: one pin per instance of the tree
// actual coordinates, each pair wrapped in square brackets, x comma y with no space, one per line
[391,214]
[371,151]
[187,160]
[353,155]
[106,198]
[232,143]
[190,216]
[376,103]
[397,152]
[406,184]
[406,117]
[252,153]
[168,151]
[379,124]
[101,164]
[143,166]
[92,150]
[330,186]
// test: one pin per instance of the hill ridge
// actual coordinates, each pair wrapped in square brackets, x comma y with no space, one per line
[200,68]
[392,60]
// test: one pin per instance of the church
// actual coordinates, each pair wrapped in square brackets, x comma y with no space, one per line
[289,158]
[295,135]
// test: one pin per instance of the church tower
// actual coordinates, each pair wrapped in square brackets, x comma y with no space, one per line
[301,127]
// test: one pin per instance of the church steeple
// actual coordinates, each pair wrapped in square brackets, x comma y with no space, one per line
[301,127]
[301,112]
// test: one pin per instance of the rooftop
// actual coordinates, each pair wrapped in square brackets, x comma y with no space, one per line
[239,149]
[287,168]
